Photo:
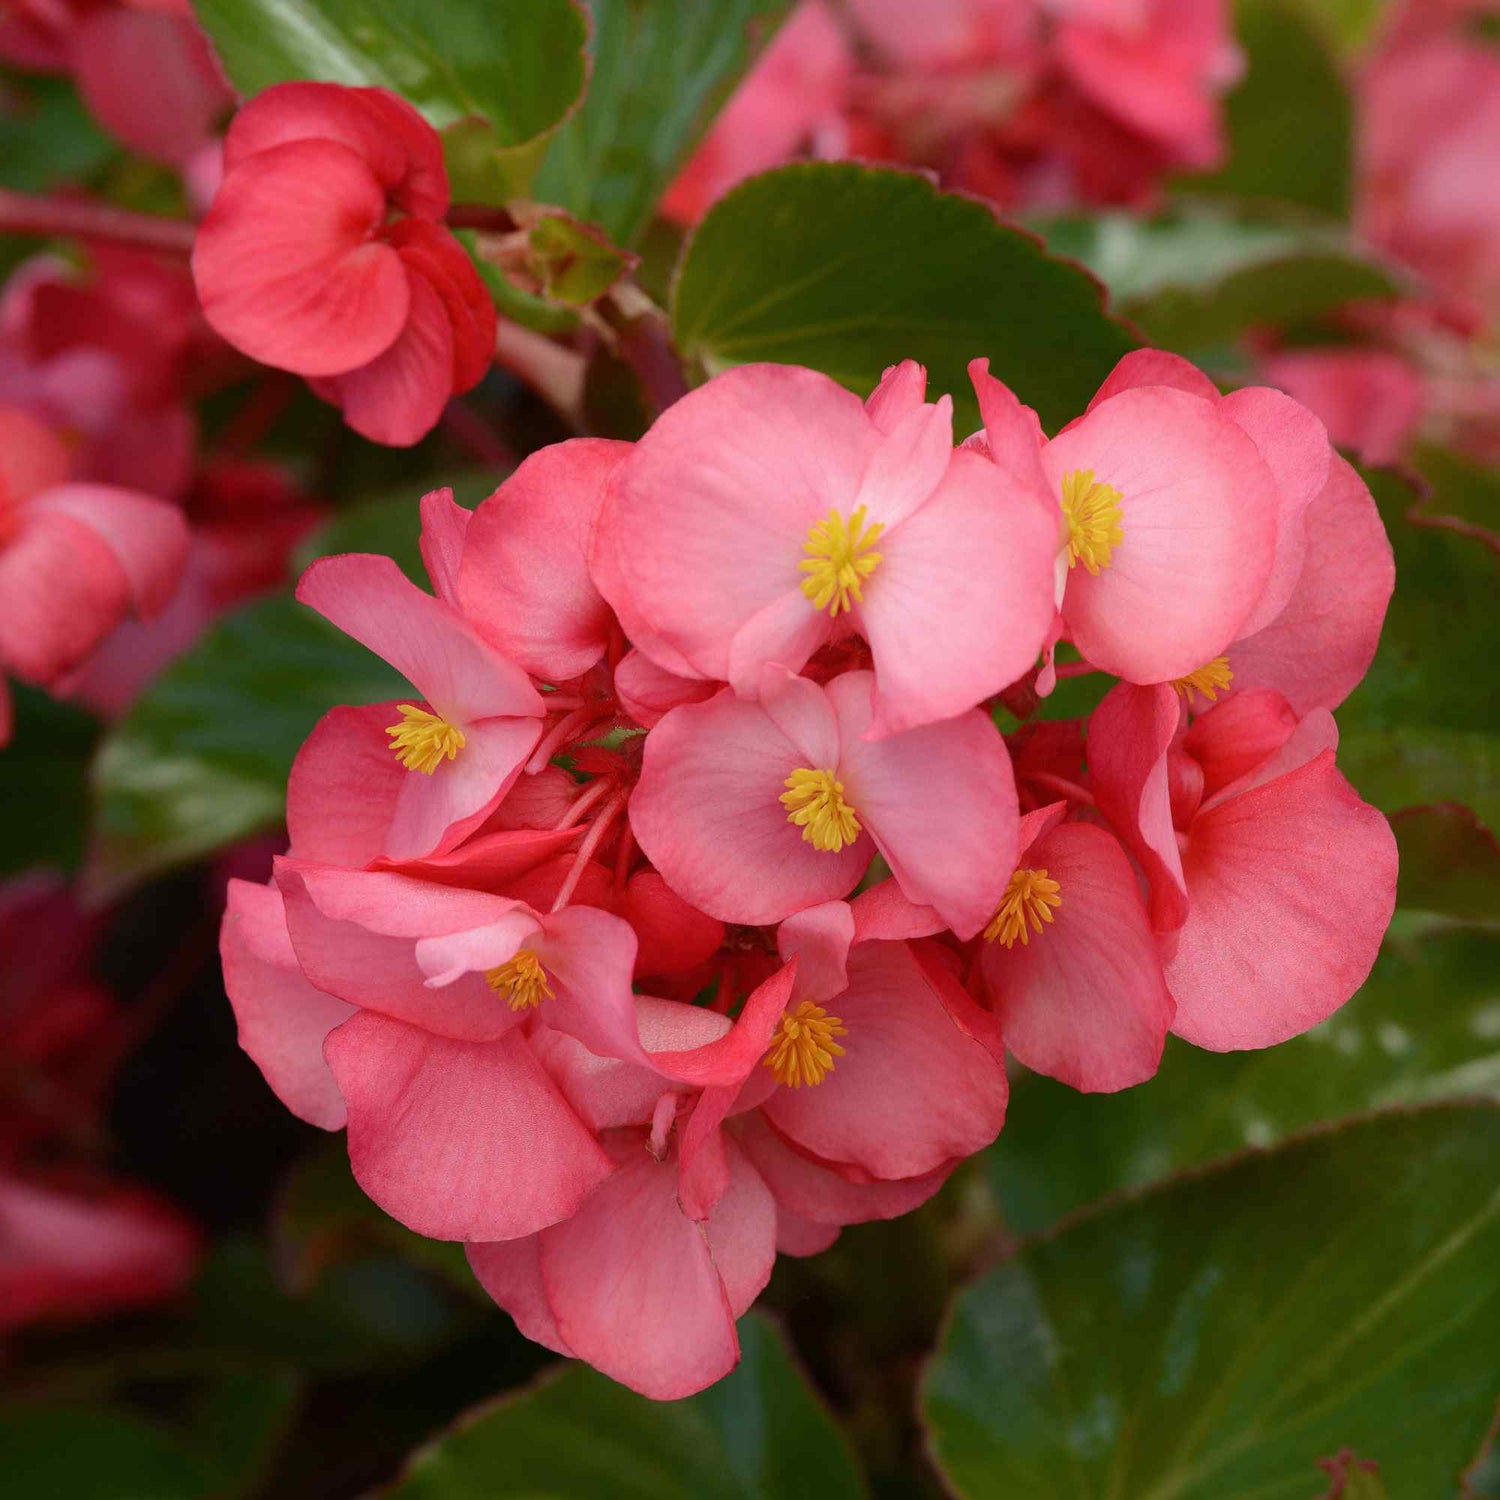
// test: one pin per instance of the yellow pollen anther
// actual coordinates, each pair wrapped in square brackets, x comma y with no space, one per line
[1092,512]
[522,980]
[839,559]
[1029,894]
[1211,679]
[814,801]
[422,741]
[803,1048]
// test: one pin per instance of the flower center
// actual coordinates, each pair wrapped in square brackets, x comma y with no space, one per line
[839,559]
[1092,512]
[1211,679]
[1030,894]
[522,980]
[803,1048]
[814,801]
[422,741]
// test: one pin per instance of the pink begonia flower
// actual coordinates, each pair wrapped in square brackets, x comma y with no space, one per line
[69,1251]
[1428,138]
[753,810]
[1171,516]
[791,101]
[482,717]
[1370,400]
[143,67]
[300,263]
[1069,961]
[75,559]
[524,579]
[770,512]
[1271,881]
[1157,66]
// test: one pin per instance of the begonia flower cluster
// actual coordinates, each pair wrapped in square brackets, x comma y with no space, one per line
[686,907]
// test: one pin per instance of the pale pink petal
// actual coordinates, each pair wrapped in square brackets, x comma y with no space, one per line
[960,604]
[939,802]
[648,692]
[282,1018]
[884,911]
[344,786]
[511,1272]
[909,463]
[1198,516]
[818,937]
[902,390]
[1238,735]
[459,1140]
[1291,888]
[742,1232]
[1012,432]
[801,1237]
[525,581]
[445,527]
[783,634]
[1155,367]
[1084,1000]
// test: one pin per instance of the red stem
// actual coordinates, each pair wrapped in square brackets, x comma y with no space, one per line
[583,801]
[480,216]
[591,841]
[560,734]
[22,213]
[1069,789]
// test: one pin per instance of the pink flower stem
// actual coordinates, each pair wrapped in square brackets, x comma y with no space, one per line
[58,218]
[591,841]
[1069,789]
[561,733]
[592,793]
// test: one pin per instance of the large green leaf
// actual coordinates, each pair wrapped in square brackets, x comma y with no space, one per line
[759,1434]
[660,70]
[849,269]
[1204,274]
[47,137]
[1289,120]
[1422,726]
[44,792]
[517,68]
[1219,1335]
[1426,1025]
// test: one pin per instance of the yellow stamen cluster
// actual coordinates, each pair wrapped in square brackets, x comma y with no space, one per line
[521,980]
[839,560]
[803,1048]
[422,741]
[1092,512]
[1030,894]
[1211,679]
[814,801]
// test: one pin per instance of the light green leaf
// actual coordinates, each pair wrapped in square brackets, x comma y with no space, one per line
[1219,1335]
[660,72]
[850,269]
[760,1434]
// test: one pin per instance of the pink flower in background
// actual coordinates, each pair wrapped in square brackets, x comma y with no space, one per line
[301,264]
[771,512]
[1370,400]
[75,559]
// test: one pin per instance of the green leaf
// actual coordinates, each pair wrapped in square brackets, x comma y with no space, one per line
[44,789]
[1221,1334]
[1202,275]
[1289,121]
[1421,728]
[1425,1026]
[576,263]
[518,67]
[849,269]
[80,1452]
[1450,863]
[660,71]
[47,137]
[759,1434]
[1459,488]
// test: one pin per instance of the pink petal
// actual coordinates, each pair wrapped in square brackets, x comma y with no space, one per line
[960,604]
[1012,432]
[287,266]
[432,253]
[902,390]
[911,1092]
[1155,367]
[32,459]
[1370,400]
[397,397]
[673,936]
[707,813]
[282,1018]
[1198,509]
[818,937]
[511,1272]
[1320,646]
[633,1287]
[344,785]
[1084,1000]
[1129,735]
[742,1233]
[148,537]
[1291,888]
[648,692]
[524,580]
[1237,735]
[883,911]
[938,801]
[490,861]
[445,528]
[459,1140]
[435,649]
[714,505]
[815,1192]
[909,463]
[590,957]
[801,1237]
